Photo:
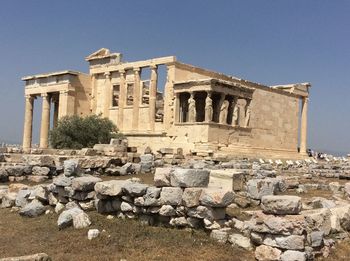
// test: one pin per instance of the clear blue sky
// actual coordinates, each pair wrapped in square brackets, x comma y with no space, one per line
[271,42]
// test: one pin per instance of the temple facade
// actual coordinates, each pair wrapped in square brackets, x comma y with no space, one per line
[188,107]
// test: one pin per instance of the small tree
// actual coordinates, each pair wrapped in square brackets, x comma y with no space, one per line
[75,132]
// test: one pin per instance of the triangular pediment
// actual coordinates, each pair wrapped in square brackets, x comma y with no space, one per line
[103,52]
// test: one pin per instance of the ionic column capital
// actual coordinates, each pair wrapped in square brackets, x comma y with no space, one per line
[136,69]
[108,75]
[122,72]
[44,95]
[153,67]
[29,97]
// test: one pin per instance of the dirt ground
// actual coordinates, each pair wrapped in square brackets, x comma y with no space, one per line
[123,239]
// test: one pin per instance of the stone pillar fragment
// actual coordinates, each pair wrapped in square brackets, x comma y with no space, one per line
[136,100]
[122,99]
[303,129]
[247,113]
[153,97]
[45,121]
[28,123]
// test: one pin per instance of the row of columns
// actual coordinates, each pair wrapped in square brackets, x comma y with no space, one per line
[136,97]
[223,109]
[63,105]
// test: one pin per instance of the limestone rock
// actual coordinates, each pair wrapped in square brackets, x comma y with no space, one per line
[4,176]
[318,220]
[8,200]
[257,188]
[71,167]
[207,212]
[240,241]
[188,178]
[35,257]
[81,220]
[86,183]
[65,219]
[162,177]
[135,189]
[93,233]
[292,255]
[267,253]
[62,181]
[219,235]
[292,242]
[178,222]
[167,210]
[281,204]
[216,197]
[22,198]
[40,171]
[109,188]
[171,196]
[190,197]
[33,209]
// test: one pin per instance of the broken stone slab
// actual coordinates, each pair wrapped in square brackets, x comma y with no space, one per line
[216,197]
[110,188]
[167,210]
[317,220]
[340,216]
[8,200]
[85,183]
[135,189]
[277,225]
[267,253]
[257,188]
[94,162]
[33,209]
[292,242]
[187,178]
[171,196]
[292,255]
[178,222]
[162,177]
[35,257]
[281,204]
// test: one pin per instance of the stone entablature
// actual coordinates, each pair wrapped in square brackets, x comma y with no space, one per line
[227,113]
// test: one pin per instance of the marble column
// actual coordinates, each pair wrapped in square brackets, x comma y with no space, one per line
[235,114]
[208,107]
[107,98]
[178,112]
[55,113]
[45,121]
[28,123]
[303,129]
[153,97]
[247,113]
[192,112]
[122,99]
[93,104]
[136,100]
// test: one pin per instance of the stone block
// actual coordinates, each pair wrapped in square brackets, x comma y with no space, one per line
[292,255]
[227,179]
[190,197]
[216,197]
[188,178]
[86,183]
[135,189]
[110,188]
[257,188]
[281,205]
[240,241]
[207,213]
[171,196]
[162,177]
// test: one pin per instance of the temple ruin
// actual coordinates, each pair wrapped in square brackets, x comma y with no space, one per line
[198,110]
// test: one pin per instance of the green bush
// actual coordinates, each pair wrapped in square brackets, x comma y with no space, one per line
[74,132]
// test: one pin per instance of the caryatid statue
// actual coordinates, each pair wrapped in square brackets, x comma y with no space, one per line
[223,112]
[235,114]
[208,108]
[247,113]
[192,109]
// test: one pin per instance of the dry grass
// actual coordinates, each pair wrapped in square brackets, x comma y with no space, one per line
[123,239]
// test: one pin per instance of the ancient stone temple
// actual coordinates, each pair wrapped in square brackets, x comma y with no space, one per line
[194,109]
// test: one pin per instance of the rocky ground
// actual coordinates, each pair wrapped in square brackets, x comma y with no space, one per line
[120,239]
[263,210]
